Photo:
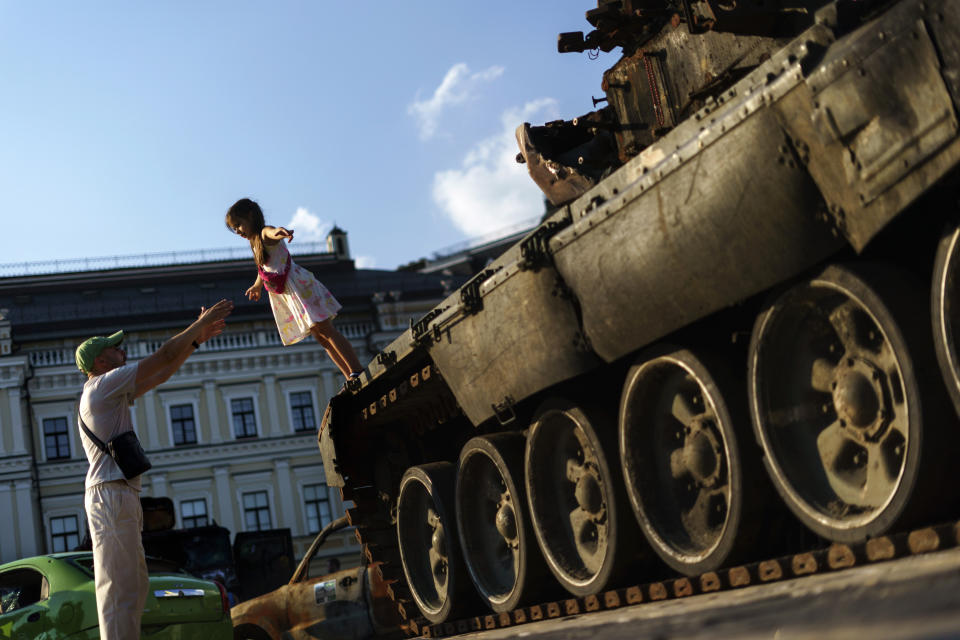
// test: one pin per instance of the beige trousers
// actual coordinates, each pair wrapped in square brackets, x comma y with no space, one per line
[120,570]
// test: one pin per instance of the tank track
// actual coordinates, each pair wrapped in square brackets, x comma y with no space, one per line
[380,545]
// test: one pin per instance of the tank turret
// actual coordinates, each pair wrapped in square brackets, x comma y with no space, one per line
[678,55]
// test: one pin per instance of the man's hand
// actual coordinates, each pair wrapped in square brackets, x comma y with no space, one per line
[213,320]
[218,311]
[162,363]
[253,293]
[210,330]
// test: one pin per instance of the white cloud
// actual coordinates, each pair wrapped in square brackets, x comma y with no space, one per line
[308,227]
[365,262]
[457,86]
[491,190]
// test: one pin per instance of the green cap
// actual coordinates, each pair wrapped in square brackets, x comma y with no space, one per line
[88,351]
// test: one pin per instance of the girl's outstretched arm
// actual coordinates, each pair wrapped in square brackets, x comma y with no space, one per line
[273,235]
[253,293]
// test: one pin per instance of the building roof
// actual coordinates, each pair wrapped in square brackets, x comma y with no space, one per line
[58,305]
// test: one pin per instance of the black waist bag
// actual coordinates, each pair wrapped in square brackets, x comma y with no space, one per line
[125,450]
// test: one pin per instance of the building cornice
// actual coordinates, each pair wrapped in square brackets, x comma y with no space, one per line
[227,366]
[13,370]
[189,458]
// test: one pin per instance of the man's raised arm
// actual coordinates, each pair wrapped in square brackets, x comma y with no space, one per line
[164,362]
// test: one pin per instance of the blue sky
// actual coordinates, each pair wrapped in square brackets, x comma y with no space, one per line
[129,128]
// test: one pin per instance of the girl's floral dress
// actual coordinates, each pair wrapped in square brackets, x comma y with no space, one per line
[304,301]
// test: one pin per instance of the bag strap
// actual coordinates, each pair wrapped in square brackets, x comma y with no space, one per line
[90,435]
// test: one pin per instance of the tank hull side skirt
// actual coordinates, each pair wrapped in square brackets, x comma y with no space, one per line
[732,221]
[874,122]
[524,337]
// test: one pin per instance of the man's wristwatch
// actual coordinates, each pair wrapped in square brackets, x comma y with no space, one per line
[195,345]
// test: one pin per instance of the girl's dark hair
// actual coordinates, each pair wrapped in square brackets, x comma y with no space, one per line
[249,213]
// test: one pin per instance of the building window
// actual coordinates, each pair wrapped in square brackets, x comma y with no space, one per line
[56,441]
[301,408]
[317,502]
[64,533]
[256,511]
[244,421]
[193,513]
[183,424]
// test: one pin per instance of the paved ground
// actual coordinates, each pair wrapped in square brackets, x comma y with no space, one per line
[915,597]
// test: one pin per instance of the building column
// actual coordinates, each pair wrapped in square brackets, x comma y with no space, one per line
[270,386]
[287,491]
[329,388]
[150,410]
[16,422]
[213,415]
[158,484]
[25,519]
[8,539]
[224,506]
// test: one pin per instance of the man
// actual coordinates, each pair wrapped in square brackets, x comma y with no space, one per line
[112,502]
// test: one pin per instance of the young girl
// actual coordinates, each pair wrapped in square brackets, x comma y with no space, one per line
[301,305]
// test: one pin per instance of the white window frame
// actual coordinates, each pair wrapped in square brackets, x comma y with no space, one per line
[59,507]
[43,438]
[171,399]
[50,534]
[303,506]
[206,504]
[243,508]
[196,425]
[288,393]
[237,393]
[315,475]
[193,490]
[250,482]
[47,411]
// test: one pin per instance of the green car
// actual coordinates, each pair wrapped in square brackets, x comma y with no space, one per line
[52,598]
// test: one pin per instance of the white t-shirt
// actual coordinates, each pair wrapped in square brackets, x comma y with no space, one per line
[105,409]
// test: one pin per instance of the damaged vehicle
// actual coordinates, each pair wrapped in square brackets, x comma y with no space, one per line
[347,605]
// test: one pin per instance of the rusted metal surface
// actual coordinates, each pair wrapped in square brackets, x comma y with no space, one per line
[350,605]
[658,86]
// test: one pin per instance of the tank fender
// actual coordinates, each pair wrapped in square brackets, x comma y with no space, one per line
[707,230]
[874,121]
[515,331]
[325,438]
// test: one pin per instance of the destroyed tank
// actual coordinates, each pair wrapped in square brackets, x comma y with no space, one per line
[739,315]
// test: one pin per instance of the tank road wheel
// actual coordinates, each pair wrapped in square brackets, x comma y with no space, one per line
[574,497]
[428,541]
[836,404]
[681,462]
[498,541]
[945,301]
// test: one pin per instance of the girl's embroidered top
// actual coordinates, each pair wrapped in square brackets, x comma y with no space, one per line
[276,282]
